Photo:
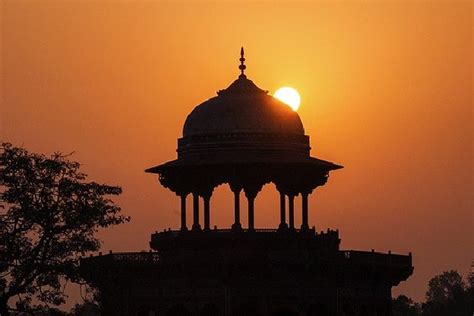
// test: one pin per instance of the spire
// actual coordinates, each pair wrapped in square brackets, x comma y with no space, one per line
[242,65]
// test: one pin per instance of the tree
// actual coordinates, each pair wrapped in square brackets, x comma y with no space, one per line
[405,306]
[49,215]
[448,295]
[444,287]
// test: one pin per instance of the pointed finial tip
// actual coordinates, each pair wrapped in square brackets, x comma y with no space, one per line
[242,66]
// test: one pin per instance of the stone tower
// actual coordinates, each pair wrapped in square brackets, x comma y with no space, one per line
[245,138]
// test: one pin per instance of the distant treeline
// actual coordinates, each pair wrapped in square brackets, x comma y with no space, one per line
[447,295]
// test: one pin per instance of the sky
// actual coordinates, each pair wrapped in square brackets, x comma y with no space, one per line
[386,91]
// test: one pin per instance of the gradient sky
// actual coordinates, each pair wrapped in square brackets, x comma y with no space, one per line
[386,91]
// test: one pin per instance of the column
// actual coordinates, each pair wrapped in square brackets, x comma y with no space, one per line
[207,200]
[283,224]
[251,193]
[304,211]
[251,200]
[196,225]
[236,225]
[183,212]
[291,211]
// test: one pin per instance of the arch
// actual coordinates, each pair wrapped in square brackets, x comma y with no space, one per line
[250,179]
[267,207]
[222,213]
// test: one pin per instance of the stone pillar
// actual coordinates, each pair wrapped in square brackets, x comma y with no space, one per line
[251,194]
[236,225]
[251,201]
[207,210]
[183,212]
[196,225]
[283,224]
[304,211]
[291,211]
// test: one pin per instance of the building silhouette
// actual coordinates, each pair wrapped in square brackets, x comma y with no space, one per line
[245,138]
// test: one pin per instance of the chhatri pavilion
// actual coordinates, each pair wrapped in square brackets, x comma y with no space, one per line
[245,138]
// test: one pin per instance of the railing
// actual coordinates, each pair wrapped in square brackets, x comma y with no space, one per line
[165,238]
[129,257]
[377,258]
[135,256]
[310,231]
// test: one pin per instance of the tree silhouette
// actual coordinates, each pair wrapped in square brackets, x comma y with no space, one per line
[444,287]
[87,308]
[448,295]
[405,306]
[49,215]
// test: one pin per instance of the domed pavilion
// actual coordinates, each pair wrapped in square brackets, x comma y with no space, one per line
[245,138]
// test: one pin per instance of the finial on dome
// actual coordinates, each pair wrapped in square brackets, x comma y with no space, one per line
[242,66]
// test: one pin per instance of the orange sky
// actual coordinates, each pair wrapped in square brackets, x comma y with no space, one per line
[386,91]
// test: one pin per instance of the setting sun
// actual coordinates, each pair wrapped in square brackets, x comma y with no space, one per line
[289,96]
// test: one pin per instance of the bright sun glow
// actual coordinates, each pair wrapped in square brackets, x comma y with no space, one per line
[289,96]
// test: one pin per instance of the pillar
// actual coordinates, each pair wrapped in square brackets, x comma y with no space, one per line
[183,212]
[207,210]
[251,193]
[251,201]
[236,225]
[304,211]
[196,225]
[283,224]
[291,211]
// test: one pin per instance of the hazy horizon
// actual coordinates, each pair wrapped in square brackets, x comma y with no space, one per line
[386,91]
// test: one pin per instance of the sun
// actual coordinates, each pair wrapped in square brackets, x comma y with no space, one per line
[289,96]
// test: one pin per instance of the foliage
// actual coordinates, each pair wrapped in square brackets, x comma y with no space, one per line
[88,308]
[448,295]
[49,215]
[444,287]
[405,306]
[42,310]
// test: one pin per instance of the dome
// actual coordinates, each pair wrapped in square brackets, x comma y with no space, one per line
[242,108]
[242,132]
[243,123]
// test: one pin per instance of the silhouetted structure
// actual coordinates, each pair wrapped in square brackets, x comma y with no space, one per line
[245,138]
